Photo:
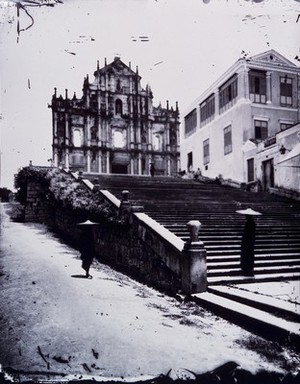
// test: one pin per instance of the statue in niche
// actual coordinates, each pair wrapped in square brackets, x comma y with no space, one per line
[173,136]
[143,134]
[61,126]
[94,133]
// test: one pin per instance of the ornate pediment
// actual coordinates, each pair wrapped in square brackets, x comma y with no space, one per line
[272,57]
[118,67]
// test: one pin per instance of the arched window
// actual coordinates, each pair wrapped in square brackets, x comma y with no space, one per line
[77,138]
[119,107]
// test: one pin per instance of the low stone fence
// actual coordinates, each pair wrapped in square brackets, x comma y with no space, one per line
[141,247]
[150,252]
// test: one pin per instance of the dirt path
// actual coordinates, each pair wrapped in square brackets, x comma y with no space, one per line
[108,326]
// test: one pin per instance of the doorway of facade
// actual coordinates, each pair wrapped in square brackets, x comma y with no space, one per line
[190,161]
[268,174]
[119,168]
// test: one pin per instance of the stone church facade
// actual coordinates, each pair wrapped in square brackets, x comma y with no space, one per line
[114,127]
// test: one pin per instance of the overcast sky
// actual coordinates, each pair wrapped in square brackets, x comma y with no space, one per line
[190,44]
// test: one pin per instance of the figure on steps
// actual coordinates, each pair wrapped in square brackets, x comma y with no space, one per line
[248,242]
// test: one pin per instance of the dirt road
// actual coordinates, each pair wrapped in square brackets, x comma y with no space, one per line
[110,326]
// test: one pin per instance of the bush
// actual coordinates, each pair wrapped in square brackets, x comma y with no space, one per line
[63,191]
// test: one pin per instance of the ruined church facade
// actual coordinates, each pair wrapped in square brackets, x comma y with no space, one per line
[114,127]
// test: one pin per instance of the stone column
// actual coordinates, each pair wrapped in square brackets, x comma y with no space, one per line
[178,164]
[194,269]
[100,162]
[55,157]
[67,162]
[132,140]
[88,161]
[246,84]
[107,162]
[125,206]
[168,136]
[67,133]
[268,86]
[55,124]
[168,165]
[243,84]
[99,132]
[139,164]
[149,136]
[88,130]
[131,166]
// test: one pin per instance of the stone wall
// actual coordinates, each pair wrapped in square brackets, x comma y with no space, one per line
[37,208]
[121,247]
[132,248]
[141,247]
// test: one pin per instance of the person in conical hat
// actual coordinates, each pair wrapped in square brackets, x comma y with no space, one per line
[152,169]
[248,242]
[87,246]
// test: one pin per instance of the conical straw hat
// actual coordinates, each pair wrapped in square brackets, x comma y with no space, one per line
[249,211]
[87,222]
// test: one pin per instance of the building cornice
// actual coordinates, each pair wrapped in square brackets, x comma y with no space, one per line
[242,65]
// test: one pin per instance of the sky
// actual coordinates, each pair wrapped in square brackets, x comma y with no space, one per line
[188,45]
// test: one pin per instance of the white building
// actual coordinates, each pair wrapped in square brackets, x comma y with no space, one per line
[247,110]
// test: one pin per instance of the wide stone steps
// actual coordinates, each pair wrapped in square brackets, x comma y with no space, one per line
[270,317]
[173,202]
[240,279]
[257,270]
[234,264]
[262,257]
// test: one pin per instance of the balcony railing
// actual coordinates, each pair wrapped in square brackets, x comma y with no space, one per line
[270,141]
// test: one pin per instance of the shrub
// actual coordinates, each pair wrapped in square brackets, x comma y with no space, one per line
[62,190]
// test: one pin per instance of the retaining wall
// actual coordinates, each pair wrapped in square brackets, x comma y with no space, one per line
[142,248]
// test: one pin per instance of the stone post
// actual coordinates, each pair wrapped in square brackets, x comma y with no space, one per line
[96,187]
[125,206]
[194,269]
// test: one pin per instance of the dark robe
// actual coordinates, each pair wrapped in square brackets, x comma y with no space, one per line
[87,248]
[152,170]
[247,247]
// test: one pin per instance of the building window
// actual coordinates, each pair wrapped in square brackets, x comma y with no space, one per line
[261,129]
[250,170]
[118,85]
[227,140]
[286,91]
[190,161]
[206,151]
[228,93]
[284,126]
[207,110]
[257,87]
[190,122]
[119,107]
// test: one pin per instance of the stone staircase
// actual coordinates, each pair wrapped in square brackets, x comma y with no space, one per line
[271,317]
[174,201]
